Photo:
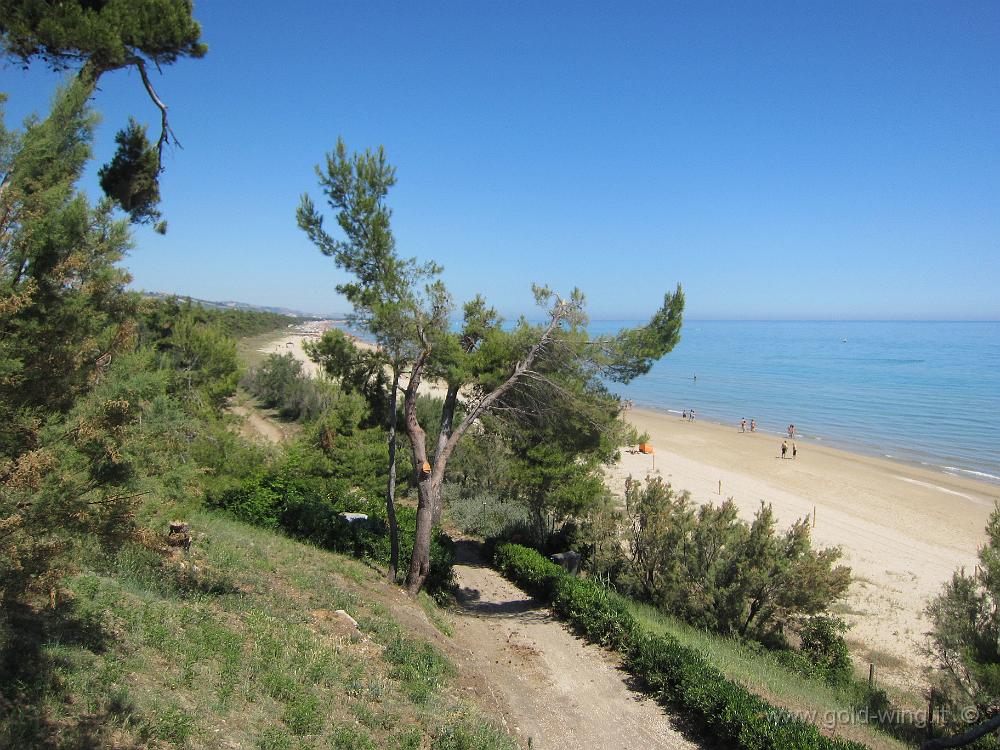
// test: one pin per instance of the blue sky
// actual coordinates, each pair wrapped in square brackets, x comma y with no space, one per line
[780,160]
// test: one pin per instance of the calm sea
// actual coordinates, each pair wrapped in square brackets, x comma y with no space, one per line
[921,392]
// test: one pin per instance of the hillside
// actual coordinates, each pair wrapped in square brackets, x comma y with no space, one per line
[244,306]
[236,646]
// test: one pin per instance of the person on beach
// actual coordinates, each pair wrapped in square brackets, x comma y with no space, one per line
[691,416]
[684,414]
[743,425]
[753,425]
[795,450]
[784,448]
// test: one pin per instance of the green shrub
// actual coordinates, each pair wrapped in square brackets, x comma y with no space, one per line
[484,514]
[528,569]
[418,666]
[680,675]
[718,572]
[281,384]
[303,714]
[599,616]
[824,646]
[308,508]
[964,641]
[465,732]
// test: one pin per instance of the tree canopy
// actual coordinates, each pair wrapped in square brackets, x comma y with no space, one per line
[108,34]
[99,36]
[494,368]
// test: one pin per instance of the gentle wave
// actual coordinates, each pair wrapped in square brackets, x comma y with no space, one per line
[970,472]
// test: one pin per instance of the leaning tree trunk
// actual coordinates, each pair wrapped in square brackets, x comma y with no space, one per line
[390,492]
[966,738]
[430,479]
[442,451]
[420,560]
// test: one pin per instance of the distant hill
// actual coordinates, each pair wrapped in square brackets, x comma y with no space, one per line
[229,304]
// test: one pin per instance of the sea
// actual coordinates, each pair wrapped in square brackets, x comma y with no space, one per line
[921,392]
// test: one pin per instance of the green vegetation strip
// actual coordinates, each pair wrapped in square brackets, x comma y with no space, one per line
[674,673]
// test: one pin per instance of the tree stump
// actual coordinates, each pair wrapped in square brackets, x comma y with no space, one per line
[179,535]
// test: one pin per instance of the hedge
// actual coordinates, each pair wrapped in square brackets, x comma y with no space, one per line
[674,673]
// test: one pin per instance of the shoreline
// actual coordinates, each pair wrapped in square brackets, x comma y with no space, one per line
[903,529]
[842,445]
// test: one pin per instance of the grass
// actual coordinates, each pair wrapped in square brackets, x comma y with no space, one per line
[761,673]
[434,613]
[237,643]
[883,659]
[248,349]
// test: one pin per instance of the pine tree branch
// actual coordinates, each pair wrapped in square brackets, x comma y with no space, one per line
[167,134]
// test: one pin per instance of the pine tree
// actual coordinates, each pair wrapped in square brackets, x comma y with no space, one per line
[64,317]
[408,308]
[100,36]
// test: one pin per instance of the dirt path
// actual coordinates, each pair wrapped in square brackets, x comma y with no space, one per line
[256,425]
[548,685]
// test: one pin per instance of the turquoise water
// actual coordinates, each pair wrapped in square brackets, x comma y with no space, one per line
[921,392]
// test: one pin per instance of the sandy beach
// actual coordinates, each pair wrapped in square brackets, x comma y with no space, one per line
[293,343]
[903,530]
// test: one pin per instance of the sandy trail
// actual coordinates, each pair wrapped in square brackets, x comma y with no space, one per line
[549,686]
[903,530]
[256,425]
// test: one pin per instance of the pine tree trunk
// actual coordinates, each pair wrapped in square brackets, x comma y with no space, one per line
[390,493]
[420,563]
[441,454]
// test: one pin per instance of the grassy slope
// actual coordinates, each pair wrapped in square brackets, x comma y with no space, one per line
[244,653]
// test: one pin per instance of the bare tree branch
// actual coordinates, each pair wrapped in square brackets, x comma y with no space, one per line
[166,132]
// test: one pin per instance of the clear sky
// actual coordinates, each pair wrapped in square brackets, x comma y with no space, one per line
[780,160]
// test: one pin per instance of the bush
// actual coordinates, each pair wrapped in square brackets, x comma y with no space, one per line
[483,514]
[465,731]
[281,384]
[728,712]
[309,508]
[595,612]
[965,632]
[720,573]
[824,646]
[528,569]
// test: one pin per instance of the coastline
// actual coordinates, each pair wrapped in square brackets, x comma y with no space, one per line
[857,449]
[903,529]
